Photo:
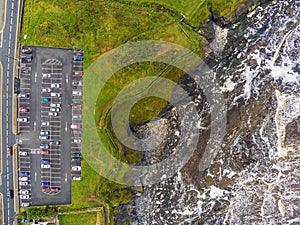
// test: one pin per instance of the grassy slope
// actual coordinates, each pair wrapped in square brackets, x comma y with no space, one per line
[100,25]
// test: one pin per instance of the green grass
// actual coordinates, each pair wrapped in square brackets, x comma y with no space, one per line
[78,219]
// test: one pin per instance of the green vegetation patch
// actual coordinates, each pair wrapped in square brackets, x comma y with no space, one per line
[89,218]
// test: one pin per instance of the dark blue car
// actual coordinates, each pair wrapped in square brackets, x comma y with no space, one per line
[24,174]
[45,184]
[78,58]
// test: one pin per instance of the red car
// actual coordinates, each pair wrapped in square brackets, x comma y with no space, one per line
[44,151]
[76,106]
[24,110]
[45,189]
[9,150]
[78,74]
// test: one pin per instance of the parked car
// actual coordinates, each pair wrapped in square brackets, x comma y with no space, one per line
[77,159]
[26,50]
[76,116]
[44,133]
[24,192]
[45,161]
[76,168]
[46,75]
[45,99]
[25,204]
[78,58]
[52,114]
[78,83]
[23,174]
[76,178]
[43,137]
[55,105]
[44,146]
[75,126]
[55,85]
[21,153]
[55,143]
[46,90]
[43,152]
[23,109]
[23,183]
[23,178]
[29,56]
[77,140]
[54,109]
[45,184]
[45,189]
[76,154]
[24,95]
[9,150]
[78,73]
[45,123]
[45,166]
[24,120]
[77,93]
[24,197]
[55,94]
[76,106]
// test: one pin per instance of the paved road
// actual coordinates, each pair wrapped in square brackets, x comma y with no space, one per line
[7,59]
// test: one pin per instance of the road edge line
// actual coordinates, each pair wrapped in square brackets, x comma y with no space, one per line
[1,79]
[4,17]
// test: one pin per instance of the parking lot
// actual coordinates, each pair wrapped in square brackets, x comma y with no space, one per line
[50,103]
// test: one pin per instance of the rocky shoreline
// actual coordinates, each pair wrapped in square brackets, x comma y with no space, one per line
[259,103]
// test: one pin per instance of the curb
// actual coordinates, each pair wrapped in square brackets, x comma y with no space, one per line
[4,16]
[1,78]
[16,149]
[1,196]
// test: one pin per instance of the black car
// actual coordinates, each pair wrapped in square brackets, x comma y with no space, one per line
[76,154]
[10,193]
[76,159]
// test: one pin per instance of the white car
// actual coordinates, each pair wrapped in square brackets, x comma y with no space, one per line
[45,123]
[46,75]
[77,140]
[24,192]
[44,133]
[22,120]
[76,116]
[23,153]
[23,178]
[54,110]
[24,197]
[76,168]
[45,166]
[55,94]
[77,93]
[55,105]
[43,137]
[79,83]
[46,90]
[25,204]
[55,85]
[76,178]
[52,114]
[23,183]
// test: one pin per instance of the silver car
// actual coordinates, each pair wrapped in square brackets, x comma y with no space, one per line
[24,197]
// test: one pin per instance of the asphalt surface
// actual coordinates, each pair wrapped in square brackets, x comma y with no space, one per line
[58,63]
[7,58]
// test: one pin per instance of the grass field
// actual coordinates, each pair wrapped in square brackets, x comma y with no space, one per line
[79,219]
[98,26]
